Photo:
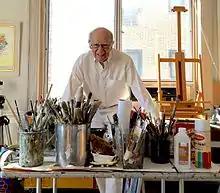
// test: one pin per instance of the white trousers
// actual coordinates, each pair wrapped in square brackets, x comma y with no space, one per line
[106,185]
[100,120]
[110,185]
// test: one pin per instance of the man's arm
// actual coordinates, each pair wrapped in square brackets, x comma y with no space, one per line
[140,92]
[75,80]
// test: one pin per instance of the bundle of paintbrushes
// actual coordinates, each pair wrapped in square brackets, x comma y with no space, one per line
[35,119]
[134,151]
[141,123]
[161,129]
[76,111]
[161,134]
[128,152]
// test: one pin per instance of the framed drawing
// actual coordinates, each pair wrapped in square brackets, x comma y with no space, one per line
[9,48]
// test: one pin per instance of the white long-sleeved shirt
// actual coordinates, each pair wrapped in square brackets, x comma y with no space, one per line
[111,83]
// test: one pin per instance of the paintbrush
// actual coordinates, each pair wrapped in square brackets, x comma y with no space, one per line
[79,97]
[48,94]
[33,114]
[140,141]
[28,118]
[78,117]
[18,113]
[94,108]
[42,106]
[72,109]
[65,111]
[86,106]
[15,116]
[69,110]
[57,113]
[172,115]
[78,114]
[162,125]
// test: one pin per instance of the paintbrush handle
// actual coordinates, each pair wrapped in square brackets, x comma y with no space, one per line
[79,96]
[14,115]
[48,94]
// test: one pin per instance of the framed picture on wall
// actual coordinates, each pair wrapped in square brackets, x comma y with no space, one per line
[9,48]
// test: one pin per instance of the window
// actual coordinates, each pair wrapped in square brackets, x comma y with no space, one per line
[130,17]
[173,3]
[70,23]
[156,33]
[199,27]
[147,30]
[172,69]
[136,55]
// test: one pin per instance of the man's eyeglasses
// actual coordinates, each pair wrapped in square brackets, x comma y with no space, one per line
[104,46]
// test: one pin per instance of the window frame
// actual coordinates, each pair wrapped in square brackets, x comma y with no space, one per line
[43,85]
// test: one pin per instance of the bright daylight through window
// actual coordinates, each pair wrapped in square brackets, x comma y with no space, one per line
[70,23]
[147,30]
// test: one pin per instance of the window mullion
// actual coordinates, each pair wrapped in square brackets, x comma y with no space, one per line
[194,6]
[47,37]
[118,24]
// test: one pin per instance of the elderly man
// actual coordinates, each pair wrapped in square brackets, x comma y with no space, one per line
[109,74]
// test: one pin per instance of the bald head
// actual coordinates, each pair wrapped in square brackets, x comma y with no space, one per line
[101,33]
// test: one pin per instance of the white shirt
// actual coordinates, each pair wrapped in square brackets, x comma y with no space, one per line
[111,83]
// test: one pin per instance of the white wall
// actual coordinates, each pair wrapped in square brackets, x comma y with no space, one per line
[17,87]
[23,87]
[211,50]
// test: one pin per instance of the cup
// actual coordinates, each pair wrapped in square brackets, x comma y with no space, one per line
[66,144]
[160,151]
[31,148]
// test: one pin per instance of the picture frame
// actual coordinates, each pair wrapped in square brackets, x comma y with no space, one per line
[10,48]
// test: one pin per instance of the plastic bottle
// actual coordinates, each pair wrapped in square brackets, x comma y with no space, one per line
[182,150]
[202,141]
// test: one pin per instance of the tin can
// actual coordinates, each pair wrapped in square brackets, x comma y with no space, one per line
[31,148]
[202,142]
[66,144]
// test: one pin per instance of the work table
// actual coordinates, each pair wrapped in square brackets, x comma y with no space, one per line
[150,171]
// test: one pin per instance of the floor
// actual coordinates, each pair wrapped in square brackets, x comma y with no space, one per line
[189,187]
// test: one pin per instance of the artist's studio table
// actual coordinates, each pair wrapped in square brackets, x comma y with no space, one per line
[150,172]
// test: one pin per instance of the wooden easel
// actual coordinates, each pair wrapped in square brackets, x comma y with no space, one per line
[184,108]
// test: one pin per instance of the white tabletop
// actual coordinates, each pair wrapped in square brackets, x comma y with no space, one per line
[150,171]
